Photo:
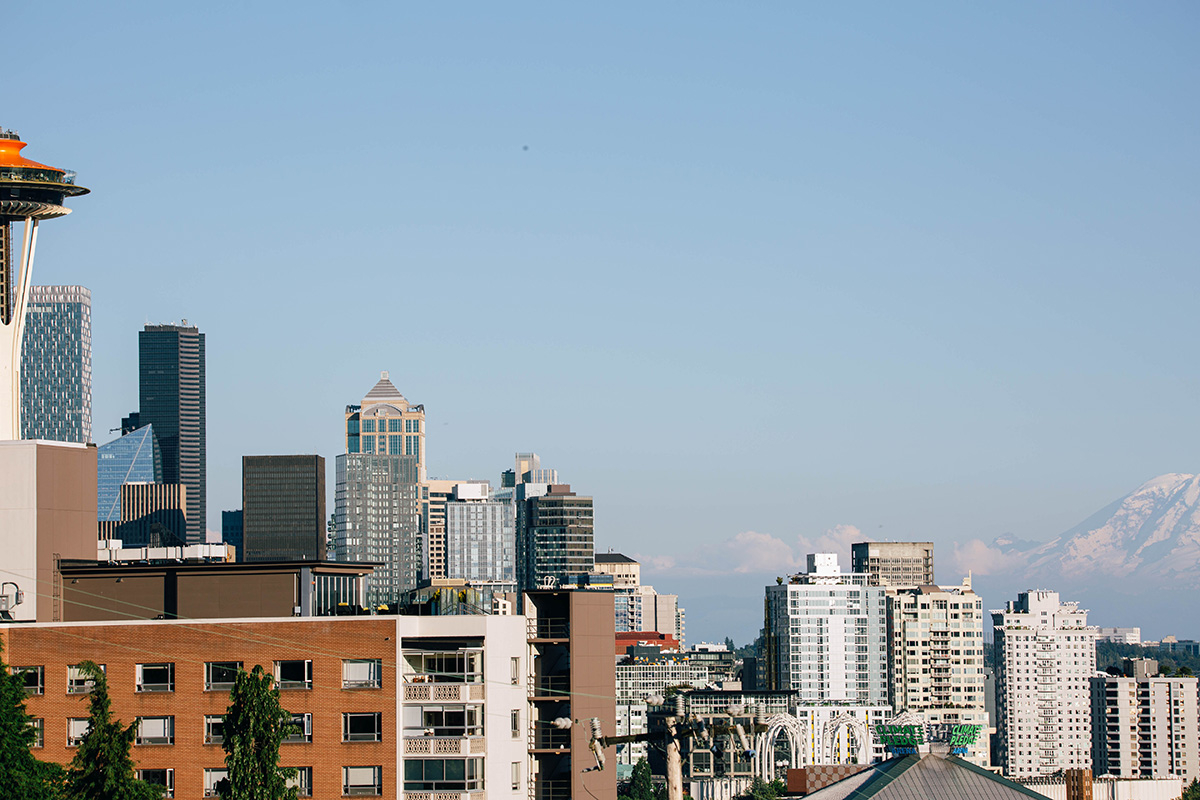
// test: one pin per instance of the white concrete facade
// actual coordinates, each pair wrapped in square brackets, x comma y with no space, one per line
[1045,657]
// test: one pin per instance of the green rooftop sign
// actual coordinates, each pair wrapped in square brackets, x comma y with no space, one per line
[902,739]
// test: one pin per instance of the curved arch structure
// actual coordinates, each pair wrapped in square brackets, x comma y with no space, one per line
[858,729]
[797,735]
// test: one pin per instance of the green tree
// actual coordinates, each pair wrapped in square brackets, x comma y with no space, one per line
[102,768]
[21,774]
[1192,792]
[761,790]
[640,786]
[255,725]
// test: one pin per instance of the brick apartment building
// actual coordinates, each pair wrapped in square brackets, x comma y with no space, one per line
[420,708]
[413,707]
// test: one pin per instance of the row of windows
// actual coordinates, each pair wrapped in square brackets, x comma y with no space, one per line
[356,727]
[357,673]
[393,426]
[355,780]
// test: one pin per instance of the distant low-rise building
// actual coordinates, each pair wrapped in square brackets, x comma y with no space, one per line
[1119,635]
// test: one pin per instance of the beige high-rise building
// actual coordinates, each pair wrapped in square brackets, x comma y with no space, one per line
[894,563]
[377,500]
[387,424]
[1145,726]
[936,671]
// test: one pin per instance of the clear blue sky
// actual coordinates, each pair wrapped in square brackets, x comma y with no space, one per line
[926,270]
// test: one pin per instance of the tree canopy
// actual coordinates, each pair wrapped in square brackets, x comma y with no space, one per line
[255,725]
[102,768]
[21,774]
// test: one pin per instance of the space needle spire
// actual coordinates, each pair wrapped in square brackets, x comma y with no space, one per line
[29,193]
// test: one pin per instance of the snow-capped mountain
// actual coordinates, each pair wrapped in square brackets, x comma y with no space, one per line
[1151,536]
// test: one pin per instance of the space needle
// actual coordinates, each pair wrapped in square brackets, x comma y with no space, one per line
[29,193]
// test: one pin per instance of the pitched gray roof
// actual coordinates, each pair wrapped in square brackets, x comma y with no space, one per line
[384,392]
[926,777]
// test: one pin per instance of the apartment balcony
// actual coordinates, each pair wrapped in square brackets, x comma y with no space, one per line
[444,746]
[551,790]
[442,692]
[551,739]
[548,630]
[444,795]
[550,687]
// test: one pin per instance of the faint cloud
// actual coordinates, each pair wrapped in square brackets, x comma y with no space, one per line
[980,558]
[752,553]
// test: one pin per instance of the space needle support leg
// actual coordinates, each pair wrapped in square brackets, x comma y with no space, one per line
[24,281]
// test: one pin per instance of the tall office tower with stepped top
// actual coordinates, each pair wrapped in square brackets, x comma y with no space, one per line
[56,365]
[29,193]
[377,511]
[1045,656]
[171,394]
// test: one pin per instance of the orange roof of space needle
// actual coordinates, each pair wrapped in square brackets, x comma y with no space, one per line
[10,156]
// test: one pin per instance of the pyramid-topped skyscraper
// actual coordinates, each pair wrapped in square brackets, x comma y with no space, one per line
[377,497]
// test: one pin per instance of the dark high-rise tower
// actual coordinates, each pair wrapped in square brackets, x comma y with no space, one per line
[283,508]
[171,395]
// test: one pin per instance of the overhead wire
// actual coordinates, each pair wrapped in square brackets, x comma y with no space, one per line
[211,627]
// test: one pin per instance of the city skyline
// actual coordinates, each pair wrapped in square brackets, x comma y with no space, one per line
[932,295]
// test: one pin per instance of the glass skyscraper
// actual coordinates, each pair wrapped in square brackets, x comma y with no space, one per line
[172,399]
[56,365]
[132,458]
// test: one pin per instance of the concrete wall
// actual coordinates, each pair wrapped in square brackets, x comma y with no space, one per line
[47,509]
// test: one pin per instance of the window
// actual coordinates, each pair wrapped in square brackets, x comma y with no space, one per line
[516,670]
[412,446]
[395,445]
[442,720]
[156,677]
[367,443]
[412,425]
[155,730]
[362,727]
[35,679]
[293,674]
[302,781]
[211,778]
[220,675]
[76,730]
[78,682]
[516,776]
[214,730]
[395,426]
[449,774]
[362,673]
[515,723]
[301,729]
[362,780]
[368,426]
[39,732]
[159,777]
